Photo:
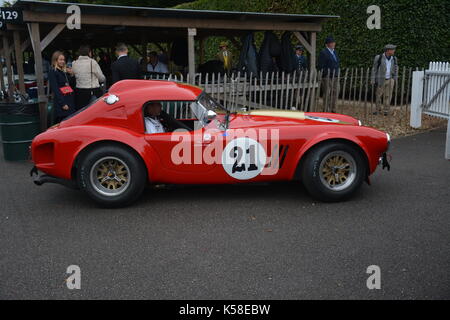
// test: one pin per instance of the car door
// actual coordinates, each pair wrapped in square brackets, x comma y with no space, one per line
[180,151]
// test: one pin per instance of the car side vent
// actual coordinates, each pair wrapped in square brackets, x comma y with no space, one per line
[283,153]
[278,157]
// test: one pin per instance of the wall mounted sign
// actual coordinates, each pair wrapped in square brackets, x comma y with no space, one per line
[11,15]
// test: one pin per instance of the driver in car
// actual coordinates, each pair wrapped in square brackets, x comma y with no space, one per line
[159,121]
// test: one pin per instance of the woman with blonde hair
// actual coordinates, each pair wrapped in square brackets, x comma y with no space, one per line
[61,82]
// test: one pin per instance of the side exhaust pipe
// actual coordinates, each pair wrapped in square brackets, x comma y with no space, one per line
[39,180]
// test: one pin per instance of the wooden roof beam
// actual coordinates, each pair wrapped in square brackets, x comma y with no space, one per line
[134,21]
[52,35]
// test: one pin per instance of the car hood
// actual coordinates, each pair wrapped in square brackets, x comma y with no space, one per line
[288,117]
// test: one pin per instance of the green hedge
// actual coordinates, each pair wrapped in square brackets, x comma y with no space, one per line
[419,28]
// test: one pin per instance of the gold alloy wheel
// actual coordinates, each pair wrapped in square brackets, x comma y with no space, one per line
[110,176]
[337,170]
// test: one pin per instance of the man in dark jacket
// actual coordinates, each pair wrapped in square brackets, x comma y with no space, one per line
[124,67]
[329,65]
[301,61]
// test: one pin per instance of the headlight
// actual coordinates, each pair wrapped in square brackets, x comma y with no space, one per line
[111,99]
[360,123]
[388,140]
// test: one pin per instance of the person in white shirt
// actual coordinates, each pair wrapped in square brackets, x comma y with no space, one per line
[155,65]
[159,121]
[152,119]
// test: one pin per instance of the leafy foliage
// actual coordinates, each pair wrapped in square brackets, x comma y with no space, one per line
[419,28]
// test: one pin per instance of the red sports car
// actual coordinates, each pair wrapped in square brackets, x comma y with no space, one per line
[163,132]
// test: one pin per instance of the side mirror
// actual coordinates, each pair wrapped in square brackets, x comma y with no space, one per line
[210,115]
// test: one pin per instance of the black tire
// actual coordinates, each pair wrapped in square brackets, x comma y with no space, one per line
[130,168]
[320,186]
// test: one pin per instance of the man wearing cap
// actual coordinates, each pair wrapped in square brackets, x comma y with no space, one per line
[329,65]
[225,56]
[302,62]
[384,76]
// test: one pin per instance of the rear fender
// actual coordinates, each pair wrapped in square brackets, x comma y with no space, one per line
[68,149]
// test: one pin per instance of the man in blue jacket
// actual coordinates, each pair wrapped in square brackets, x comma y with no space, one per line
[329,65]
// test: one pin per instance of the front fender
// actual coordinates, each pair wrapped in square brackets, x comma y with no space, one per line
[371,156]
[55,151]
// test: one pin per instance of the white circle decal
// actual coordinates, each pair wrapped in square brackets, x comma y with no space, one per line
[244,158]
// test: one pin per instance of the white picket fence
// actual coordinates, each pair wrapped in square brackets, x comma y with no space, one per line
[431,95]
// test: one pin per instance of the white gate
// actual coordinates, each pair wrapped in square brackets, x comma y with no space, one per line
[431,95]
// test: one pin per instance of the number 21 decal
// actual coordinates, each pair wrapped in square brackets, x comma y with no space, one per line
[244,158]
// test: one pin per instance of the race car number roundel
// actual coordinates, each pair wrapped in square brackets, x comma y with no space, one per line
[244,158]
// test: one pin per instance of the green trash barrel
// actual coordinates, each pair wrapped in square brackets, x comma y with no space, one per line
[19,124]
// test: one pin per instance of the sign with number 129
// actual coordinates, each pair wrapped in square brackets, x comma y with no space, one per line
[11,15]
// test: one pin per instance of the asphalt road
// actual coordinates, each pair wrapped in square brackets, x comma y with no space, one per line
[234,242]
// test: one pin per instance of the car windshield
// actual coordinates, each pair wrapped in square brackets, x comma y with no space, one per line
[204,104]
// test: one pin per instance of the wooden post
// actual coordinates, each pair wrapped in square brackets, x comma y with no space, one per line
[19,61]
[417,99]
[310,47]
[9,74]
[313,51]
[42,99]
[192,32]
[25,45]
